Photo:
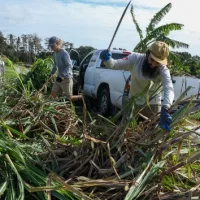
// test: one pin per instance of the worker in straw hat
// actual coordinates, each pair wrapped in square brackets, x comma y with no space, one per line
[62,64]
[148,70]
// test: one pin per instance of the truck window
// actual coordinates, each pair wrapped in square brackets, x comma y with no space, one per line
[114,56]
[83,68]
[87,60]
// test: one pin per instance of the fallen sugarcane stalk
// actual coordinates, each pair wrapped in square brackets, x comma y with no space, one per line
[69,187]
[107,120]
[102,171]
[193,131]
[49,184]
[46,127]
[181,164]
[54,124]
[34,122]
[112,160]
[114,132]
[150,191]
[121,160]
[7,130]
[71,160]
[84,116]
[50,150]
[94,139]
[181,196]
[39,189]
[173,141]
[74,172]
[94,158]
[129,173]
[59,160]
[103,183]
[72,165]
[14,131]
[110,170]
[66,131]
[57,152]
[148,144]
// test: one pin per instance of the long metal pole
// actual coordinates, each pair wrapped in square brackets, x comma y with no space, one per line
[118,25]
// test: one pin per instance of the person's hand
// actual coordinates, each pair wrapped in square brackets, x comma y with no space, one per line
[50,77]
[105,55]
[165,119]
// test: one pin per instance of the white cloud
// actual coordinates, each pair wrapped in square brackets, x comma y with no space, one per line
[94,25]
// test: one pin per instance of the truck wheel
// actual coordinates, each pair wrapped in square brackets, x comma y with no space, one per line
[104,102]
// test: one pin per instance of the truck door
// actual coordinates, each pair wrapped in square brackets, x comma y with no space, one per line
[89,74]
[116,79]
[83,68]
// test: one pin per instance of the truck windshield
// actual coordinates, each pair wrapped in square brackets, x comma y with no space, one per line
[115,56]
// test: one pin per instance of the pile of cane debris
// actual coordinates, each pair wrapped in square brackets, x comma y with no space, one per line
[99,159]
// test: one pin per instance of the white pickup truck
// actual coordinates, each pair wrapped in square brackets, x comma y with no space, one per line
[107,86]
[104,85]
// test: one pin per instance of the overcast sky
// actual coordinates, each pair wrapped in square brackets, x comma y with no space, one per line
[93,22]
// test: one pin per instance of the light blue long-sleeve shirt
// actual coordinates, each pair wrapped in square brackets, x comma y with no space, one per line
[63,64]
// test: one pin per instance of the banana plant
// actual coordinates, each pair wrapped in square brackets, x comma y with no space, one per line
[158,33]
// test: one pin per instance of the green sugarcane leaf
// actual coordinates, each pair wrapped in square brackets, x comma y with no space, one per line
[20,182]
[14,131]
[143,179]
[3,187]
[54,124]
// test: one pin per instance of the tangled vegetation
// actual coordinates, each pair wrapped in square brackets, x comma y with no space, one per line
[51,150]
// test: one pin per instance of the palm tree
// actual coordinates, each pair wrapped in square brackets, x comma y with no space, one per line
[159,33]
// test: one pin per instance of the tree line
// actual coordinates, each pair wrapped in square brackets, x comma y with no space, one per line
[28,47]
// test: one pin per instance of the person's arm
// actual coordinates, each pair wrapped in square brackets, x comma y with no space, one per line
[54,69]
[165,117]
[123,64]
[168,88]
[120,64]
[66,59]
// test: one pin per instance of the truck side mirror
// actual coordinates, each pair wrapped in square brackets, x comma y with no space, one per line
[173,81]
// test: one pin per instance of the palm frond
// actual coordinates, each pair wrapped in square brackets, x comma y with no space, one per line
[166,29]
[172,43]
[136,23]
[158,17]
[141,47]
[158,32]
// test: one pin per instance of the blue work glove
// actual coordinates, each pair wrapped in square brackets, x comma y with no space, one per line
[105,55]
[165,119]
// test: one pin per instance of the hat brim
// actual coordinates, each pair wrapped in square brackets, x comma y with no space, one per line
[163,62]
